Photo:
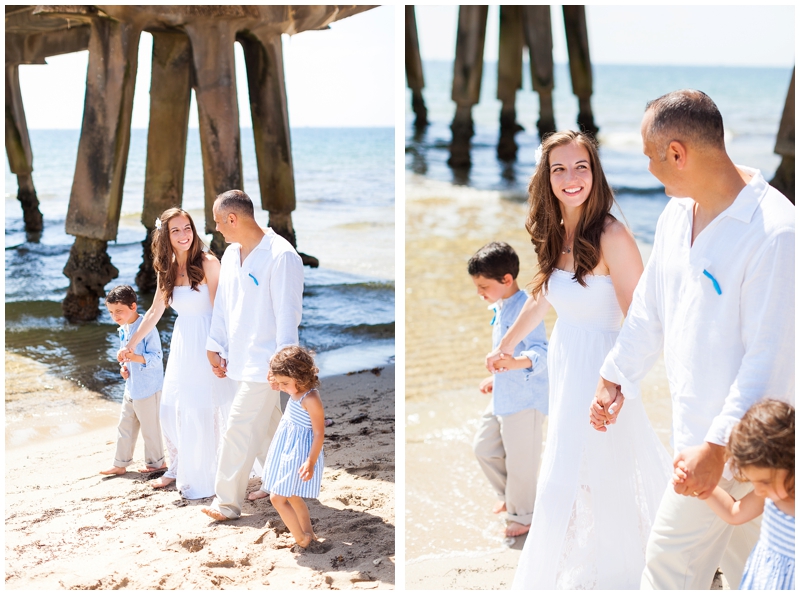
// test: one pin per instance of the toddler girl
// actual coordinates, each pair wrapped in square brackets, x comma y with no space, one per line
[293,470]
[761,451]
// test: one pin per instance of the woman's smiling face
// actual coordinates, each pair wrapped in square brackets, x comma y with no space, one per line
[180,233]
[570,174]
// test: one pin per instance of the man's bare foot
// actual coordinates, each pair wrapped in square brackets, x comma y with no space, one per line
[499,507]
[514,529]
[214,514]
[153,469]
[306,540]
[257,495]
[162,482]
[114,471]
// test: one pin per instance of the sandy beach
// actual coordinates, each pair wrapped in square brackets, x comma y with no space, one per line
[66,527]
[448,324]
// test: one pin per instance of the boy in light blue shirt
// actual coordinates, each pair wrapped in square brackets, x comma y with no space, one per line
[144,376]
[508,443]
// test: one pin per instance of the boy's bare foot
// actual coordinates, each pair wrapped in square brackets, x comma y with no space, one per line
[257,495]
[514,529]
[214,514]
[306,540]
[152,469]
[114,471]
[162,482]
[499,507]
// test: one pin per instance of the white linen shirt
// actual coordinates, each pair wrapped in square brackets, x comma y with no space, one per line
[258,306]
[722,351]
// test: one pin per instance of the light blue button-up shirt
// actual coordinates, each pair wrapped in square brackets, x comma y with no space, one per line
[526,388]
[144,379]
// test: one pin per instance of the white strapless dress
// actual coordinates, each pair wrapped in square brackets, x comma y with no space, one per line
[598,492]
[194,402]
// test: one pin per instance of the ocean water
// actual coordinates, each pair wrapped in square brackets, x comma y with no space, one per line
[345,216]
[751,101]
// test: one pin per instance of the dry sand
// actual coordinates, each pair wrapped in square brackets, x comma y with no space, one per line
[69,528]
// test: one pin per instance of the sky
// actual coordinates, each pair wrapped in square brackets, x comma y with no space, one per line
[342,77]
[680,35]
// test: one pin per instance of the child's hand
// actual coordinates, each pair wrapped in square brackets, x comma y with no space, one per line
[679,473]
[487,385]
[273,384]
[124,372]
[306,471]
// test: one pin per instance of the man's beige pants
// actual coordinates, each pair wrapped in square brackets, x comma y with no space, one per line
[688,542]
[140,414]
[509,448]
[252,422]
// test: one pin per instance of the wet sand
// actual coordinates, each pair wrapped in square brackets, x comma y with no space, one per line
[447,336]
[66,527]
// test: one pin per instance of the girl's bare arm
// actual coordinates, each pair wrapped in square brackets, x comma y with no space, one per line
[735,512]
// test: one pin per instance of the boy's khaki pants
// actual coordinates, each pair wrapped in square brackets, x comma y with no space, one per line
[688,542]
[509,448]
[140,414]
[252,422]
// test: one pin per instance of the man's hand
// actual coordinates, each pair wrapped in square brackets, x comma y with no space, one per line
[218,364]
[494,361]
[703,468]
[487,385]
[606,405]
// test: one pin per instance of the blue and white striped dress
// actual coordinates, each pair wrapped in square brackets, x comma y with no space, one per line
[288,451]
[771,563]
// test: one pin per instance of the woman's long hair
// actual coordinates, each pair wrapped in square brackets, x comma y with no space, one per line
[164,261]
[544,223]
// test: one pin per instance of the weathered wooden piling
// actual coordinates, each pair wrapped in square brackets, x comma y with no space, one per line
[784,146]
[467,73]
[192,47]
[509,78]
[538,33]
[580,65]
[170,98]
[263,56]
[18,149]
[25,45]
[414,76]
[96,198]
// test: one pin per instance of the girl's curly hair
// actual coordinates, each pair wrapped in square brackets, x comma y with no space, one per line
[296,363]
[764,438]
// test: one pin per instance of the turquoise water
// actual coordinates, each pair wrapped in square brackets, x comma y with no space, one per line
[751,101]
[345,216]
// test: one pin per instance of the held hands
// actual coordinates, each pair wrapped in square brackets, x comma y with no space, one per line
[699,469]
[494,363]
[124,355]
[218,364]
[306,471]
[606,405]
[487,385]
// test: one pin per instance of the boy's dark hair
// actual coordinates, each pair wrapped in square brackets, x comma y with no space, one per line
[122,294]
[494,261]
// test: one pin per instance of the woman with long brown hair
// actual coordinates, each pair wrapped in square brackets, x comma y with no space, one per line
[597,492]
[194,402]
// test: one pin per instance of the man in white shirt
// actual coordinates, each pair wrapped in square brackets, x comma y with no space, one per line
[717,296]
[257,309]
